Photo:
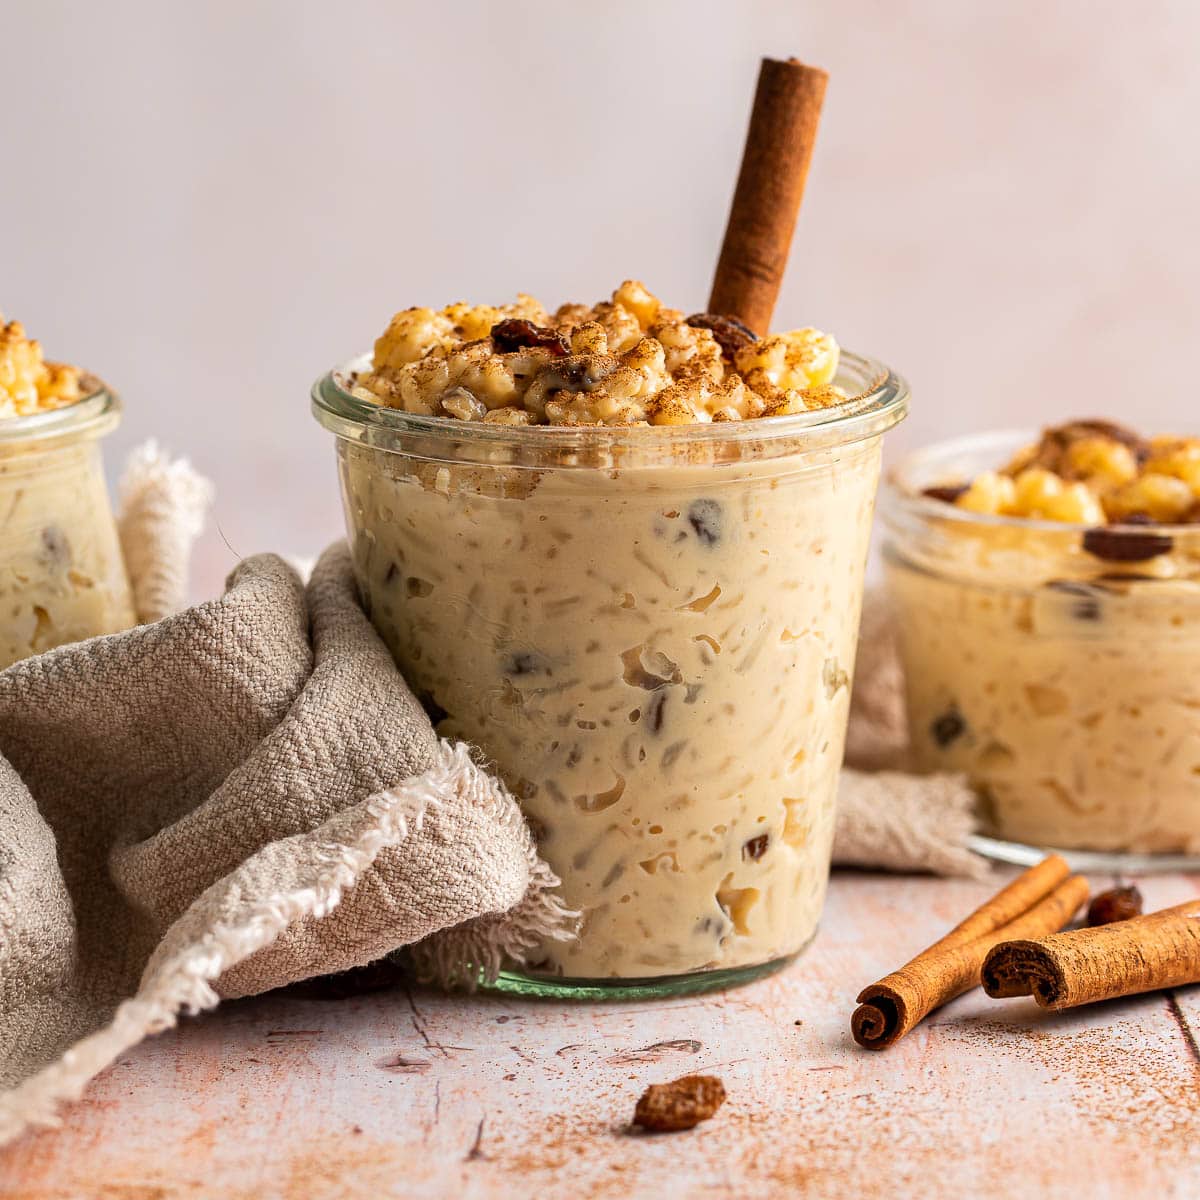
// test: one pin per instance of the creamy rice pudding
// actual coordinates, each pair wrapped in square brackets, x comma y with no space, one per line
[62,578]
[1049,619]
[650,632]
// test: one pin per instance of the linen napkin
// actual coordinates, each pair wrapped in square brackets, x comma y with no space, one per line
[247,794]
[234,798]
[888,817]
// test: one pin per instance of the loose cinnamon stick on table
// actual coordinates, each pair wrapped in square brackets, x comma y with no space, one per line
[779,146]
[1143,954]
[1040,901]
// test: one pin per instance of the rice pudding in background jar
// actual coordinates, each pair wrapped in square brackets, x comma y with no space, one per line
[62,577]
[1047,596]
[622,552]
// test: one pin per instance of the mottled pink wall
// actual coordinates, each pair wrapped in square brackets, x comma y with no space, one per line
[211,203]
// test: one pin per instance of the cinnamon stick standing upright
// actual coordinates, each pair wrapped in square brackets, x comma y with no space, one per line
[779,146]
[1041,900]
[1143,954]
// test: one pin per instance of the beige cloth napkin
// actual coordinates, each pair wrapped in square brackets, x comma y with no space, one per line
[235,798]
[163,504]
[887,817]
[246,794]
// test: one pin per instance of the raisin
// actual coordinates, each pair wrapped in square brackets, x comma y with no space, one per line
[947,493]
[1056,441]
[1086,606]
[1117,904]
[654,711]
[516,334]
[756,847]
[1119,545]
[948,727]
[57,548]
[614,873]
[730,334]
[524,663]
[704,516]
[681,1104]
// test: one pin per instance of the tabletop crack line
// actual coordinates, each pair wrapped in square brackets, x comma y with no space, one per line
[419,1025]
[437,1110]
[475,1153]
[1184,1028]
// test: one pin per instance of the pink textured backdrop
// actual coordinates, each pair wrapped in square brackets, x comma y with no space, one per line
[209,204]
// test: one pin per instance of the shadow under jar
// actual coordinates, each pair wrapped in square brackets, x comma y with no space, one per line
[1058,666]
[650,632]
[62,576]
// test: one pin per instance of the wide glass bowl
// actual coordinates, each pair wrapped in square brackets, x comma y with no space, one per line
[1058,666]
[650,633]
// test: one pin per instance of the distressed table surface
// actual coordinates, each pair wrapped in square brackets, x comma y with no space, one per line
[413,1093]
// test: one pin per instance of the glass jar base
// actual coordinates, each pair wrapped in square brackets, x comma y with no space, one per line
[552,987]
[1087,862]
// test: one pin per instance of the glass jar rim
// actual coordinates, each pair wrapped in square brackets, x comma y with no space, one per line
[873,410]
[92,415]
[902,489]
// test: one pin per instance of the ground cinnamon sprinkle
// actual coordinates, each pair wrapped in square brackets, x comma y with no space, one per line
[1122,1108]
[1121,1081]
[1120,1111]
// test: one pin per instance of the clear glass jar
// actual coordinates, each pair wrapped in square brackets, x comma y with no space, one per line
[650,632]
[62,577]
[1060,669]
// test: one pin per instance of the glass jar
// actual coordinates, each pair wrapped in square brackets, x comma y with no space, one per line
[62,577]
[1059,667]
[650,632]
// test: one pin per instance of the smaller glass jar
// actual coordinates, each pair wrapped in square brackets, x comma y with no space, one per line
[1058,666]
[62,577]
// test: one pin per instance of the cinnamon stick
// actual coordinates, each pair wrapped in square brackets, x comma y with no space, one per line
[1143,954]
[1040,901]
[758,236]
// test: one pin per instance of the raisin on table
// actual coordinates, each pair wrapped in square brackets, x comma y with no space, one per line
[681,1104]
[1117,904]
